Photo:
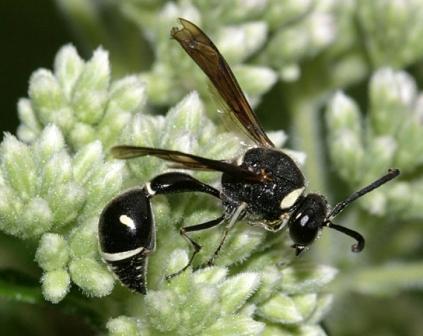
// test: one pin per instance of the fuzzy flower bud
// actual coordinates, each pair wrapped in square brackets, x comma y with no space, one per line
[91,276]
[52,252]
[391,136]
[55,285]
[122,326]
[345,135]
[79,98]
[393,31]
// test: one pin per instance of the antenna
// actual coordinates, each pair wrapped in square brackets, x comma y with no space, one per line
[392,173]
[358,247]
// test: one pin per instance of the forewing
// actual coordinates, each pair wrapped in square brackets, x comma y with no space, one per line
[202,50]
[184,160]
[228,119]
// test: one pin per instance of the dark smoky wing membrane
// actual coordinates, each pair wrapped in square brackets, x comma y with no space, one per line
[185,160]
[203,51]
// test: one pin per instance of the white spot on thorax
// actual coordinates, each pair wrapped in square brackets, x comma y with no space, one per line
[290,199]
[126,220]
[150,190]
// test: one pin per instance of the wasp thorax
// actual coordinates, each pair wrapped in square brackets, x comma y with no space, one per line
[266,201]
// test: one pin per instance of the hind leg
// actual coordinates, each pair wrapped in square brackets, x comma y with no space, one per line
[180,182]
[197,247]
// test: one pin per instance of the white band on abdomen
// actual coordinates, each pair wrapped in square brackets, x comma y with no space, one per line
[121,255]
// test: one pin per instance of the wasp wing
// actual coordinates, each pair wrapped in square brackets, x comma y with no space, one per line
[184,160]
[202,50]
[228,119]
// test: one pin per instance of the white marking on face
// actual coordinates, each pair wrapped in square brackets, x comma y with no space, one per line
[121,255]
[304,220]
[150,190]
[126,220]
[290,199]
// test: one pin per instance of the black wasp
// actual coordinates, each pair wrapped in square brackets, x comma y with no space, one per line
[264,186]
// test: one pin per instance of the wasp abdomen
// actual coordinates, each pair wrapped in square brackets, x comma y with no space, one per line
[127,235]
[131,271]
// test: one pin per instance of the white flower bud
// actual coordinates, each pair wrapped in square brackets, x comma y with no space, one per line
[236,290]
[281,309]
[18,166]
[46,95]
[91,277]
[55,285]
[52,253]
[95,75]
[301,278]
[86,161]
[67,68]
[239,42]
[49,142]
[122,325]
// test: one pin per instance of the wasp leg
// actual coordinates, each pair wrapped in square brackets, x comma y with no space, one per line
[197,247]
[236,215]
[179,182]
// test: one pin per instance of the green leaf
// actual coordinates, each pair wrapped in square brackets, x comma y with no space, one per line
[386,280]
[19,287]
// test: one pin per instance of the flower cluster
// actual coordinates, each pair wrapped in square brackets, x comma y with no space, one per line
[49,193]
[54,185]
[261,34]
[79,98]
[255,301]
[392,31]
[362,150]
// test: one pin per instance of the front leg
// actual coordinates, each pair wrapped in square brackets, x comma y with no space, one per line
[237,214]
